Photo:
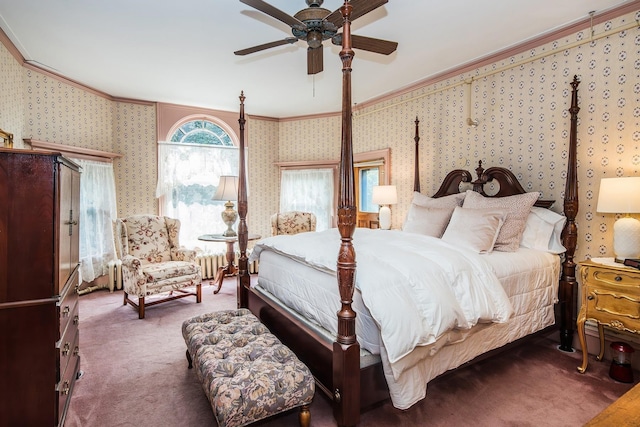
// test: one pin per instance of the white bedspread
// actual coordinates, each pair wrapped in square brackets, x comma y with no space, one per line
[416,287]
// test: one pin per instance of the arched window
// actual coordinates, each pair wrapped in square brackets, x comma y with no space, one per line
[197,152]
[201,131]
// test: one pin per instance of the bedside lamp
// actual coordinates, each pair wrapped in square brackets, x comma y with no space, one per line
[622,195]
[384,195]
[228,190]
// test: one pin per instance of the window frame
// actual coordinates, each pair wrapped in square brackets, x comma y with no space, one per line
[383,155]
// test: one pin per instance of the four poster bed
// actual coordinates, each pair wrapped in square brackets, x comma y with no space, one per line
[495,296]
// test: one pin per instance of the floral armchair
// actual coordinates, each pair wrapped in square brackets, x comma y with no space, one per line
[153,261]
[292,222]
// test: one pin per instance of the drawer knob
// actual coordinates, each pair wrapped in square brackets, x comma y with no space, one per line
[65,311]
[76,319]
[65,349]
[591,297]
[618,278]
[65,388]
[76,351]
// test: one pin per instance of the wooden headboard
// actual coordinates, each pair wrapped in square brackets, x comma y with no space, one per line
[504,179]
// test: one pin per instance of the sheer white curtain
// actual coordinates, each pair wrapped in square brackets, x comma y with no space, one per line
[98,209]
[188,176]
[308,190]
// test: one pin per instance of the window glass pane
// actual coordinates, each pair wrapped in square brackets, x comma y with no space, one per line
[309,190]
[177,136]
[188,176]
[368,179]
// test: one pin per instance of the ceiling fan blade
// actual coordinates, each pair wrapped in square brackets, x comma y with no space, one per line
[314,60]
[384,47]
[360,7]
[274,12]
[247,51]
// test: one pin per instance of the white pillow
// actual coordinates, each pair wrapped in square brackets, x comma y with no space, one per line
[517,207]
[428,221]
[450,201]
[475,229]
[543,231]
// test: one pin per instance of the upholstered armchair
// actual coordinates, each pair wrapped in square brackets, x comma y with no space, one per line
[292,222]
[153,261]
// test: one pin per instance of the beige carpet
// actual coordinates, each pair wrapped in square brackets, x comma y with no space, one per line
[135,374]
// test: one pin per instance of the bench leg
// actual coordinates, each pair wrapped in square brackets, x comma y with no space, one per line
[305,416]
[189,359]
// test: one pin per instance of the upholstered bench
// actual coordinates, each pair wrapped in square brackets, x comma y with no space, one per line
[245,371]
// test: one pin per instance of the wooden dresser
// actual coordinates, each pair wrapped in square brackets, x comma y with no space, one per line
[39,267]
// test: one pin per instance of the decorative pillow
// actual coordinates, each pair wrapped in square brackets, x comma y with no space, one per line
[450,201]
[429,221]
[475,229]
[543,231]
[517,207]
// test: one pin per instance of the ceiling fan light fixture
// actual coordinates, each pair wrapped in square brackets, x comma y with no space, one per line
[314,39]
[316,24]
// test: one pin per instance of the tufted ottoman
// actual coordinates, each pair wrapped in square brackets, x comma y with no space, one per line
[245,371]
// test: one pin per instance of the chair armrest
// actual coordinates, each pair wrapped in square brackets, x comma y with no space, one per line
[133,279]
[183,254]
[133,265]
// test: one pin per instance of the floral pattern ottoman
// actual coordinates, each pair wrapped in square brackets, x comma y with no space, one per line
[245,371]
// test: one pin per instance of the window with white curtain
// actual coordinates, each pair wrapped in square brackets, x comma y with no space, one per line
[188,176]
[97,211]
[308,190]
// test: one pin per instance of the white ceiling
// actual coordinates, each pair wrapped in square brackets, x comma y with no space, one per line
[181,52]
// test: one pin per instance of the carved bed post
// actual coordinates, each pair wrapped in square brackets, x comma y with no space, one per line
[416,166]
[244,280]
[346,350]
[568,282]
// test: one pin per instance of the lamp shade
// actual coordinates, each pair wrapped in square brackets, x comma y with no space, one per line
[227,188]
[622,195]
[384,195]
[619,195]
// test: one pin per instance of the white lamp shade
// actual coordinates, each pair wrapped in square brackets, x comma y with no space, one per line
[227,188]
[384,195]
[619,195]
[622,195]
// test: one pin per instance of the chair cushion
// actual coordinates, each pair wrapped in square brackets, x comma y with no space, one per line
[148,238]
[169,270]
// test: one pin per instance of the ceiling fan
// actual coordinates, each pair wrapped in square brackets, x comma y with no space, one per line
[315,25]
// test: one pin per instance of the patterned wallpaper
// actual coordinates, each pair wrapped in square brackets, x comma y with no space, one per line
[134,135]
[263,175]
[11,96]
[520,103]
[61,113]
[523,124]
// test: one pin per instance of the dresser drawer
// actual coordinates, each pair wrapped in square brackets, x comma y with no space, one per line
[620,281]
[619,310]
[68,305]
[65,387]
[68,349]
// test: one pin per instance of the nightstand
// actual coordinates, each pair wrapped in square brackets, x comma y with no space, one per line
[610,297]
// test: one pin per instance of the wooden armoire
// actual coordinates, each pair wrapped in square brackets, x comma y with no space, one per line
[39,268]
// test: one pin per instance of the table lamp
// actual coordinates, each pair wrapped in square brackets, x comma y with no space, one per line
[228,190]
[384,195]
[622,196]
